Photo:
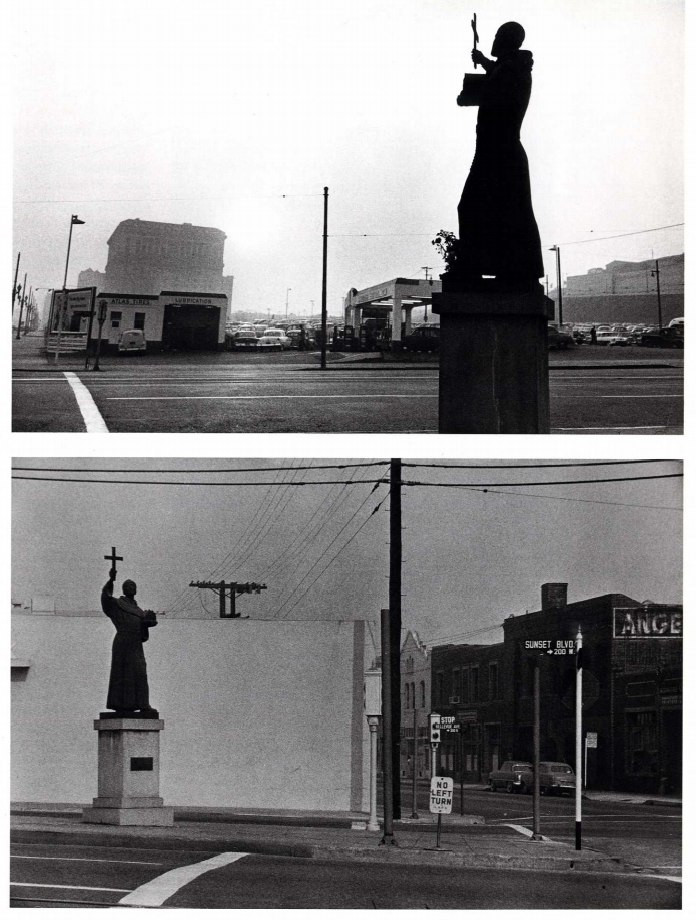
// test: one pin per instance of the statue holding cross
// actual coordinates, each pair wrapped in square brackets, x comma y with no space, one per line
[128,687]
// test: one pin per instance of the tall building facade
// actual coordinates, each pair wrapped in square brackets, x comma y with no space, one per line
[146,257]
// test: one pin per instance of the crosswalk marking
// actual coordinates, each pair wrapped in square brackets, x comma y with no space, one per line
[154,893]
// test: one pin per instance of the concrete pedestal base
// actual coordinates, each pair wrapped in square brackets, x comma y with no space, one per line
[128,774]
[494,376]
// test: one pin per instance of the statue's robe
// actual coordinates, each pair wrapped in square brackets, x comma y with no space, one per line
[128,687]
[497,229]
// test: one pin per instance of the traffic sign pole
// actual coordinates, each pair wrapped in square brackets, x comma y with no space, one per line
[536,832]
[578,740]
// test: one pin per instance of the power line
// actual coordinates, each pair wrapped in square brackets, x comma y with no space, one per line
[551,482]
[174,472]
[522,466]
[148,482]
[617,236]
[328,482]
[586,501]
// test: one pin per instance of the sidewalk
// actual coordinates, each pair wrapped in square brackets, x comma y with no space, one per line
[317,835]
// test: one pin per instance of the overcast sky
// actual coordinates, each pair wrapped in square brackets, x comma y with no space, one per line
[236,114]
[471,558]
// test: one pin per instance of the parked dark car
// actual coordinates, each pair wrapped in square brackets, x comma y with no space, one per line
[238,342]
[509,776]
[554,779]
[422,338]
[561,336]
[667,337]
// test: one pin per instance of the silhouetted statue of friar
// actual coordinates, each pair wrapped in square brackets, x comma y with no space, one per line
[498,234]
[128,688]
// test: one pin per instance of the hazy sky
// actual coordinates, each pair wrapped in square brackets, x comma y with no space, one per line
[236,114]
[471,558]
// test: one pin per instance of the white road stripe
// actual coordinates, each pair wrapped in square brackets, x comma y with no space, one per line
[127,862]
[156,892]
[282,396]
[525,831]
[91,416]
[69,887]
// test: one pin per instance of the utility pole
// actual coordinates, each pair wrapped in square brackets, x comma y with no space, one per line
[656,274]
[235,588]
[323,278]
[557,250]
[395,555]
[14,286]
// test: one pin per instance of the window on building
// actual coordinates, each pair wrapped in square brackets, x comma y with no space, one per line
[457,683]
[413,696]
[408,706]
[139,321]
[422,694]
[474,684]
[116,319]
[439,688]
[465,685]
[493,680]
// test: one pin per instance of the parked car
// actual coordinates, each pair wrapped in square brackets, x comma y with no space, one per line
[554,779]
[667,337]
[239,342]
[422,338]
[561,335]
[269,343]
[279,334]
[132,340]
[509,776]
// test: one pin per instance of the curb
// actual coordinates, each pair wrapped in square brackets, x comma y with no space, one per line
[428,856]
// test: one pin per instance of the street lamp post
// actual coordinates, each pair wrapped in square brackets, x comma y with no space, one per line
[287,292]
[74,219]
[101,318]
[557,250]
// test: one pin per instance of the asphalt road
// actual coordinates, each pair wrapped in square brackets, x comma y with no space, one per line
[67,876]
[348,397]
[647,837]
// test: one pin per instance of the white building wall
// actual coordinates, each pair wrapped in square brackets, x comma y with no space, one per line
[257,713]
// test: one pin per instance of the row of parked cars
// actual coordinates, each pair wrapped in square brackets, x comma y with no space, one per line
[621,334]
[253,337]
[555,778]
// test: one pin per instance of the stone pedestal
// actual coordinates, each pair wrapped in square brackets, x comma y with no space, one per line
[494,376]
[128,774]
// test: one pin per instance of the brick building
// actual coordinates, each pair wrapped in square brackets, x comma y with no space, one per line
[632,692]
[146,257]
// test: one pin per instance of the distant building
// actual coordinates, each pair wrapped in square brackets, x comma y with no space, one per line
[91,278]
[625,292]
[146,257]
[415,706]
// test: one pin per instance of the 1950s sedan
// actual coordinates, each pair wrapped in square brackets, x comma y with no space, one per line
[509,776]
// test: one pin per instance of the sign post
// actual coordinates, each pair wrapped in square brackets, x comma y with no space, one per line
[578,740]
[590,742]
[441,791]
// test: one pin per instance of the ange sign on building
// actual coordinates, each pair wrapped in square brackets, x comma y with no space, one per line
[649,622]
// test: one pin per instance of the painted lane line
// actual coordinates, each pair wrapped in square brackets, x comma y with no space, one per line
[283,396]
[69,887]
[125,862]
[91,416]
[626,396]
[156,892]
[612,428]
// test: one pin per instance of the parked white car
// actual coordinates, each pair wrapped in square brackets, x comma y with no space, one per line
[278,334]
